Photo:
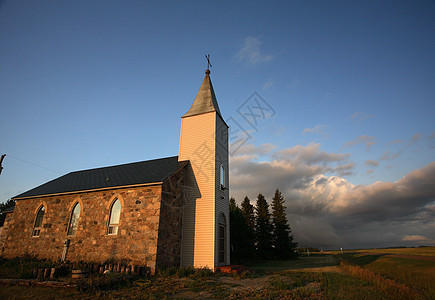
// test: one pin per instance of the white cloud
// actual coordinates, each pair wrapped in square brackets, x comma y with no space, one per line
[250,52]
[414,238]
[310,154]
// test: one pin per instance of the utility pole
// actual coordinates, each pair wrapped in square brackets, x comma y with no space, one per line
[1,162]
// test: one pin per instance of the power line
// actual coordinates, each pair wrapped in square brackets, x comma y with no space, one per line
[36,165]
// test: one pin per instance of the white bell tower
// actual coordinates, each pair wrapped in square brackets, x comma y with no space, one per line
[204,143]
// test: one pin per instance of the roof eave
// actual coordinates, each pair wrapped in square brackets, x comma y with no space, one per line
[90,191]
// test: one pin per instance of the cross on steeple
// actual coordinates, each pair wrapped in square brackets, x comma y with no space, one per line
[208,62]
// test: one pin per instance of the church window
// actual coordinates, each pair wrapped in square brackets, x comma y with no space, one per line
[38,222]
[115,213]
[222,243]
[74,220]
[222,177]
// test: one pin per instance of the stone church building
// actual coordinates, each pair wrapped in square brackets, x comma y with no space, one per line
[158,213]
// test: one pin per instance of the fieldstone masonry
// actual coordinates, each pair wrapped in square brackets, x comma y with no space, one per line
[149,232]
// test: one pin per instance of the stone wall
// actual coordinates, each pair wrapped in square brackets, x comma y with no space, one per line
[137,238]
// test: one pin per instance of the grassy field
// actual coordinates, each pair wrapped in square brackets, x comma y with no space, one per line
[362,274]
[424,251]
[303,262]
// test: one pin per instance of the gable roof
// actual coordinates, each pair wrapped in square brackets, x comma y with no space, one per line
[205,101]
[139,173]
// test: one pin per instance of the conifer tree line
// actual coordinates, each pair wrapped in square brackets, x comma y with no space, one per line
[256,233]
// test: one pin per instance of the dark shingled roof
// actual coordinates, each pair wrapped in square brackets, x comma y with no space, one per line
[143,172]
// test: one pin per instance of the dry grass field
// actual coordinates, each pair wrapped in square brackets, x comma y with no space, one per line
[360,274]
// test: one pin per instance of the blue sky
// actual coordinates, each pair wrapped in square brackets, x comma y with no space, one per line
[86,84]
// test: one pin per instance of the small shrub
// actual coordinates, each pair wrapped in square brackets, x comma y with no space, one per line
[185,271]
[202,273]
[180,272]
[168,272]
[21,267]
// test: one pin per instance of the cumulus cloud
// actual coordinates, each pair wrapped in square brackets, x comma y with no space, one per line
[368,141]
[328,210]
[344,170]
[310,154]
[250,52]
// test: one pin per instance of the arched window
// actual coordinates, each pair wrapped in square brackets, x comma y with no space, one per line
[115,213]
[222,234]
[74,220]
[222,177]
[38,221]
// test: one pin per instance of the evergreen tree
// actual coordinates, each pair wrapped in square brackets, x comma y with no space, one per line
[3,206]
[233,205]
[263,228]
[239,234]
[282,240]
[9,203]
[248,213]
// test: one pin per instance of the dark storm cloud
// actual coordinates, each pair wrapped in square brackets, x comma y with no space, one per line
[329,210]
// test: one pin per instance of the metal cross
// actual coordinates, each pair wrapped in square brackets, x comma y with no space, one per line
[1,162]
[208,62]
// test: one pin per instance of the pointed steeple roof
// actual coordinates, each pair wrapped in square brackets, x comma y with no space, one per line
[205,100]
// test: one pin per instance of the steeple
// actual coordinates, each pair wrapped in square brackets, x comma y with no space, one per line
[204,143]
[205,100]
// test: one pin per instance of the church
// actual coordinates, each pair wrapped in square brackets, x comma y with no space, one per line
[158,213]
